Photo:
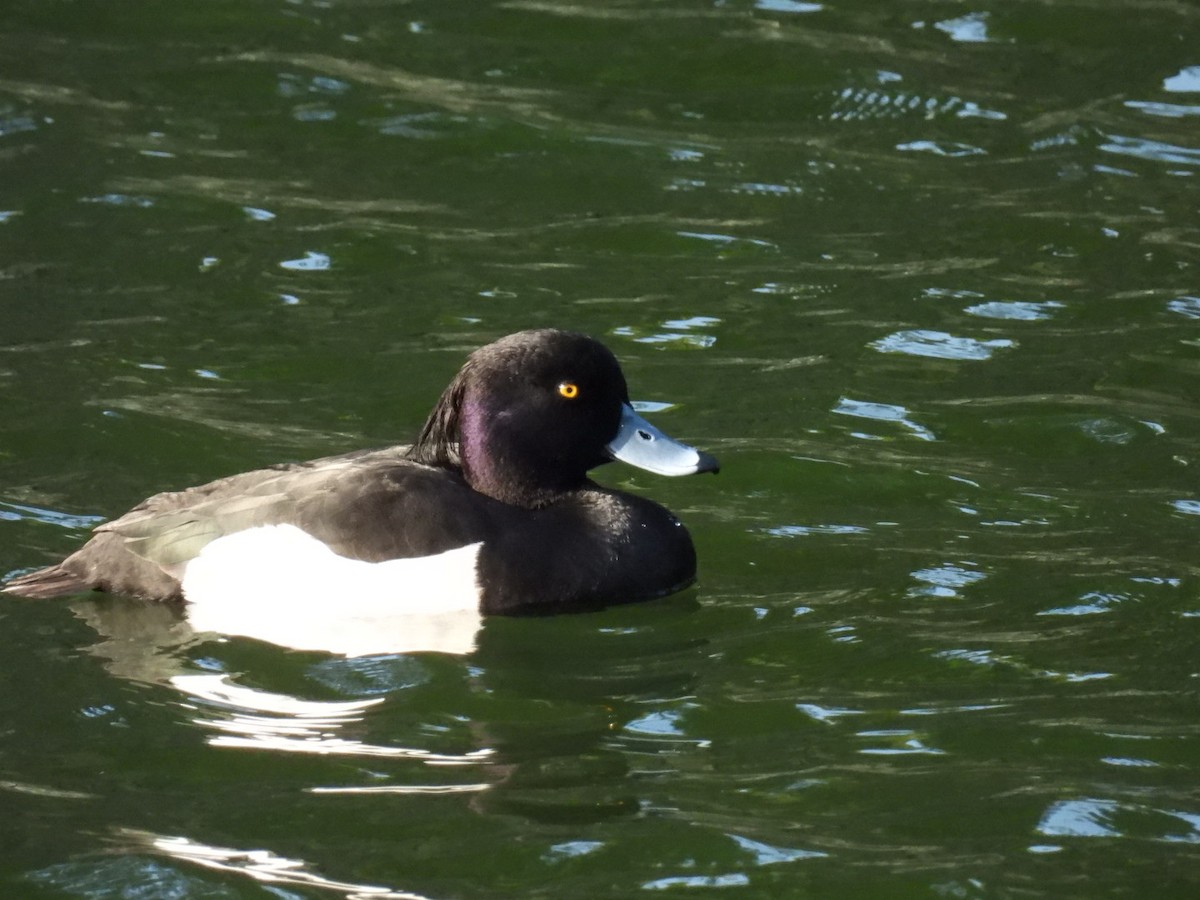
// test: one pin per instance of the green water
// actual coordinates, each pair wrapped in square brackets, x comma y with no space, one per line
[924,275]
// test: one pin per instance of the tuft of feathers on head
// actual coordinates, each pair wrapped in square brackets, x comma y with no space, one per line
[437,444]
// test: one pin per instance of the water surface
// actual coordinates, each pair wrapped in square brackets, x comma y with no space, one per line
[922,275]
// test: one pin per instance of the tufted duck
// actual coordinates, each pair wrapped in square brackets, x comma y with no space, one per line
[490,511]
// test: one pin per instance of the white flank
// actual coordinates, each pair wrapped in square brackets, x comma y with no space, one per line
[277,583]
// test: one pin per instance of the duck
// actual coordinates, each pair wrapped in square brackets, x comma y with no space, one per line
[490,511]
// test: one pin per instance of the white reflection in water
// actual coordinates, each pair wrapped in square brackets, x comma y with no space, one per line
[16,511]
[313,113]
[766,188]
[1186,81]
[768,854]
[1157,151]
[939,345]
[727,240]
[38,790]
[865,103]
[989,658]
[312,261]
[1079,818]
[404,789]
[570,850]
[119,200]
[943,581]
[975,657]
[971,28]
[10,125]
[827,714]
[903,743]
[1186,306]
[882,412]
[701,341]
[733,879]
[261,865]
[804,530]
[666,725]
[692,322]
[1129,761]
[260,720]
[663,723]
[1091,817]
[1107,431]
[681,333]
[1093,603]
[937,711]
[1163,110]
[788,6]
[1015,310]
[258,214]
[941,148]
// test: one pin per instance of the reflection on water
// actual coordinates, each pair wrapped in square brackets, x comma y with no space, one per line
[15,512]
[1018,310]
[1157,151]
[939,345]
[882,412]
[1092,818]
[252,719]
[260,865]
[680,334]
[147,642]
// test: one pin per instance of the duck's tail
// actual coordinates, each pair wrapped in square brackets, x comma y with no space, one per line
[44,584]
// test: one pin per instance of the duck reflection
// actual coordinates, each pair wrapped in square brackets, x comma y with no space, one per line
[539,720]
[260,865]
[548,710]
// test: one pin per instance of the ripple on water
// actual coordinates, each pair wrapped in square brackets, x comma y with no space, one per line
[870,102]
[788,6]
[1163,110]
[1090,604]
[14,123]
[369,676]
[679,333]
[882,412]
[1014,310]
[1186,306]
[942,148]
[805,530]
[1155,151]
[431,125]
[312,261]
[944,581]
[1185,81]
[1091,817]
[14,512]
[970,29]
[939,345]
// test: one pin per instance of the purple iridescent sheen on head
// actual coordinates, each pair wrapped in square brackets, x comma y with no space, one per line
[474,446]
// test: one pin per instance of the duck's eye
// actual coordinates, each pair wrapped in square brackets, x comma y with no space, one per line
[568,389]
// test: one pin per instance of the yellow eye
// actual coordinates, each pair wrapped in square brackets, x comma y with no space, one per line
[568,389]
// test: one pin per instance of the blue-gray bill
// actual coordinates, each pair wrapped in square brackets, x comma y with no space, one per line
[641,444]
